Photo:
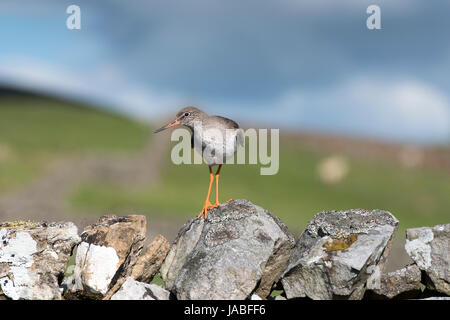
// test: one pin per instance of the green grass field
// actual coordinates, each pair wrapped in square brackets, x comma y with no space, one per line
[35,131]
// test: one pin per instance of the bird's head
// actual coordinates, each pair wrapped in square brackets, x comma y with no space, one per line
[187,116]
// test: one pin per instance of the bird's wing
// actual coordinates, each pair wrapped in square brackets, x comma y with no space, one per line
[230,123]
[192,137]
[240,138]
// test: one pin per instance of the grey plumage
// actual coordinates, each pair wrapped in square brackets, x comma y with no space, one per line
[216,138]
[202,127]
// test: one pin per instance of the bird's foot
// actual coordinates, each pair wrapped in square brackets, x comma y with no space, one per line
[204,212]
[208,206]
[215,205]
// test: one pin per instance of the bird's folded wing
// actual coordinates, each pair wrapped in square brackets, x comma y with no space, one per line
[240,138]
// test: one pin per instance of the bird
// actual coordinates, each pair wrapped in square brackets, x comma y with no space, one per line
[216,138]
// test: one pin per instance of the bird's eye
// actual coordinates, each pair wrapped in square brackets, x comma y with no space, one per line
[186,114]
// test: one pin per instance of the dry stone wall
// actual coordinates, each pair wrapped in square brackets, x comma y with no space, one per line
[241,251]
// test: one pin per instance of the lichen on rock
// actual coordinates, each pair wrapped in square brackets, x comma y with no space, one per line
[337,252]
[19,224]
[402,283]
[429,248]
[108,251]
[33,258]
[340,242]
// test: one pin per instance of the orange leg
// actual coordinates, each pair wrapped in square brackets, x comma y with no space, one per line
[217,188]
[207,204]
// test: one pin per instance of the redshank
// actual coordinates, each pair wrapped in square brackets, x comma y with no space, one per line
[216,138]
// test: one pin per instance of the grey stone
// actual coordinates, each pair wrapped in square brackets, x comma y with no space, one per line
[108,252]
[336,254]
[135,290]
[238,250]
[404,283]
[147,265]
[33,258]
[151,260]
[429,248]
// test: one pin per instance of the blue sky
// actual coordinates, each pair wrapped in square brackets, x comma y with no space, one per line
[308,65]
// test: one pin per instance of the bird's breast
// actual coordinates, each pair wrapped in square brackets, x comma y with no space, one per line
[215,146]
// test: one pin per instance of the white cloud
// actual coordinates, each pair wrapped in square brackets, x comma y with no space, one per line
[397,109]
[402,110]
[408,109]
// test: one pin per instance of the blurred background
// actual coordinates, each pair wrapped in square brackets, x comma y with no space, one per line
[364,115]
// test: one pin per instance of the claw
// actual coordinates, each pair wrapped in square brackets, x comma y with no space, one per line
[208,205]
[204,212]
[215,205]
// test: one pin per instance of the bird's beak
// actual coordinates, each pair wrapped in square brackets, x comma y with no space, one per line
[169,125]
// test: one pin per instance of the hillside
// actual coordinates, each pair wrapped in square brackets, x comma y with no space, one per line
[36,130]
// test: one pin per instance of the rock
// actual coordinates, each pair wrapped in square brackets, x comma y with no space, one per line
[255,297]
[4,268]
[107,253]
[147,265]
[114,289]
[429,248]
[33,258]
[238,250]
[401,284]
[135,290]
[337,252]
[150,262]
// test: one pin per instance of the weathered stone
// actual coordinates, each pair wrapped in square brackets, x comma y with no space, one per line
[33,258]
[337,252]
[135,290]
[108,252]
[238,250]
[429,248]
[401,284]
[114,289]
[150,262]
[147,265]
[4,269]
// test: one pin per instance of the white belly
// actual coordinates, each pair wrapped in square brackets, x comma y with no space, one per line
[214,147]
